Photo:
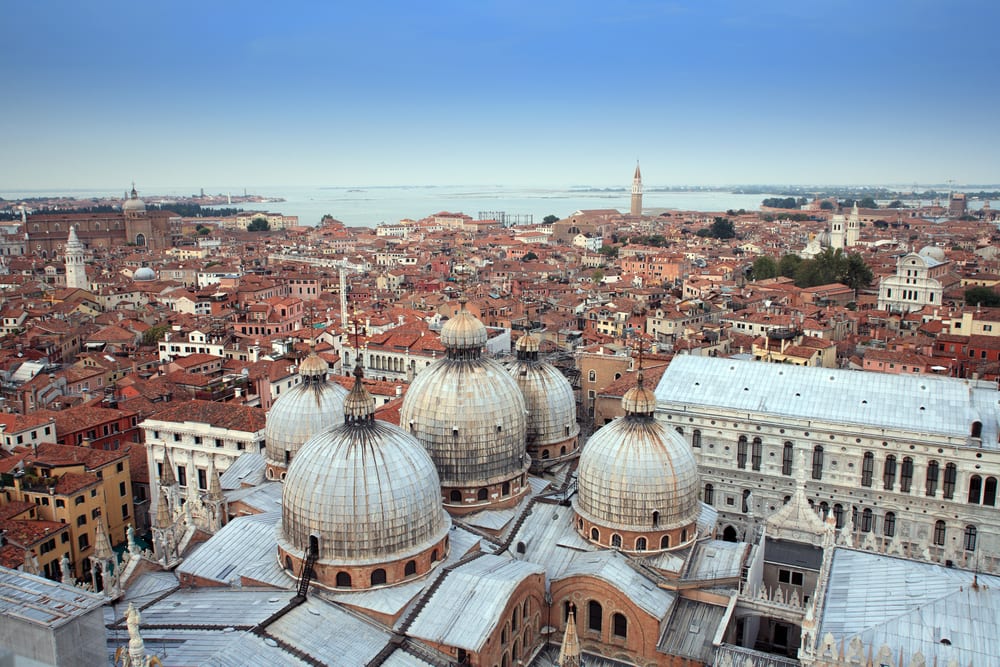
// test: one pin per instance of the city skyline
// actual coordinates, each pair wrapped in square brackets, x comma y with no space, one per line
[507,93]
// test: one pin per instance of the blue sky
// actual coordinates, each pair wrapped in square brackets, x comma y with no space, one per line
[498,92]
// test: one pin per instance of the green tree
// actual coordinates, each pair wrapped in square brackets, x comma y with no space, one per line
[722,228]
[549,219]
[764,267]
[826,205]
[597,276]
[154,334]
[258,225]
[857,275]
[788,264]
[982,296]
[204,231]
[895,203]
[529,257]
[608,250]
[867,202]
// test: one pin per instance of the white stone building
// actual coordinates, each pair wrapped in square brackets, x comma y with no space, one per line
[917,283]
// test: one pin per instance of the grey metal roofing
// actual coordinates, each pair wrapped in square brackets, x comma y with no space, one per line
[222,607]
[184,648]
[549,537]
[611,567]
[149,585]
[400,658]
[716,559]
[919,403]
[468,603]
[42,601]
[264,497]
[248,468]
[795,554]
[330,634]
[245,547]
[497,519]
[246,649]
[912,606]
[690,630]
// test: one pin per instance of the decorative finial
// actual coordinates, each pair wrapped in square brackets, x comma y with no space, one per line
[639,377]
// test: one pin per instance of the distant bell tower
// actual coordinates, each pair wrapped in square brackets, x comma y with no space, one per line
[853,227]
[76,272]
[636,208]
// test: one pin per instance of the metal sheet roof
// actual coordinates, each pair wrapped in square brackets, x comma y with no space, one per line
[42,601]
[915,403]
[245,547]
[248,468]
[221,607]
[610,566]
[691,629]
[330,634]
[468,603]
[912,606]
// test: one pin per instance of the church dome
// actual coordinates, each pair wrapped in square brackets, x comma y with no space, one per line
[933,252]
[133,203]
[366,494]
[144,274]
[469,414]
[306,409]
[551,429]
[637,479]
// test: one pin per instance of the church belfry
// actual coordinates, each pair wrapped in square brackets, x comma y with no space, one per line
[636,208]
[76,273]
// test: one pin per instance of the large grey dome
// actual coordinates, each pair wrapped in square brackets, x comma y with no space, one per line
[468,411]
[303,411]
[144,274]
[133,203]
[636,468]
[548,397]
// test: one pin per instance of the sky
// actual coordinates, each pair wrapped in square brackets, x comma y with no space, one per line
[509,92]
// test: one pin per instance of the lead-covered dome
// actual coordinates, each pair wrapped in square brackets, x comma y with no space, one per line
[637,482]
[367,496]
[144,274]
[133,203]
[552,431]
[469,414]
[306,409]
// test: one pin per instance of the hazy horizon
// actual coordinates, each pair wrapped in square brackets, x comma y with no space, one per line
[539,94]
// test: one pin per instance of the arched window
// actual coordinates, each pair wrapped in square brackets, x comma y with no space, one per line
[343,580]
[619,626]
[434,556]
[410,569]
[696,438]
[741,452]
[866,520]
[545,454]
[616,541]
[684,534]
[824,509]
[756,454]
[939,533]
[679,430]
[817,467]
[595,616]
[513,620]
[867,469]
[482,494]
[838,514]
[709,494]
[969,541]
[505,489]
[595,534]
[665,542]
[990,492]
[889,524]
[975,489]
[567,605]
[640,544]
[656,519]
[889,472]
[787,454]
[977,429]
[932,478]
[455,496]
[906,475]
[592,376]
[950,477]
[746,500]
[378,577]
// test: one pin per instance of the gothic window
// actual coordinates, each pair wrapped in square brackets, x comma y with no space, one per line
[741,452]
[786,459]
[906,475]
[709,494]
[990,492]
[867,469]
[866,520]
[640,544]
[696,438]
[757,453]
[824,509]
[975,489]
[594,616]
[950,475]
[969,541]
[939,533]
[932,478]
[889,524]
[889,472]
[838,514]
[817,467]
[619,626]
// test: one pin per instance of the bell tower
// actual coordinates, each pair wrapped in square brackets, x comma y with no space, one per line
[636,209]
